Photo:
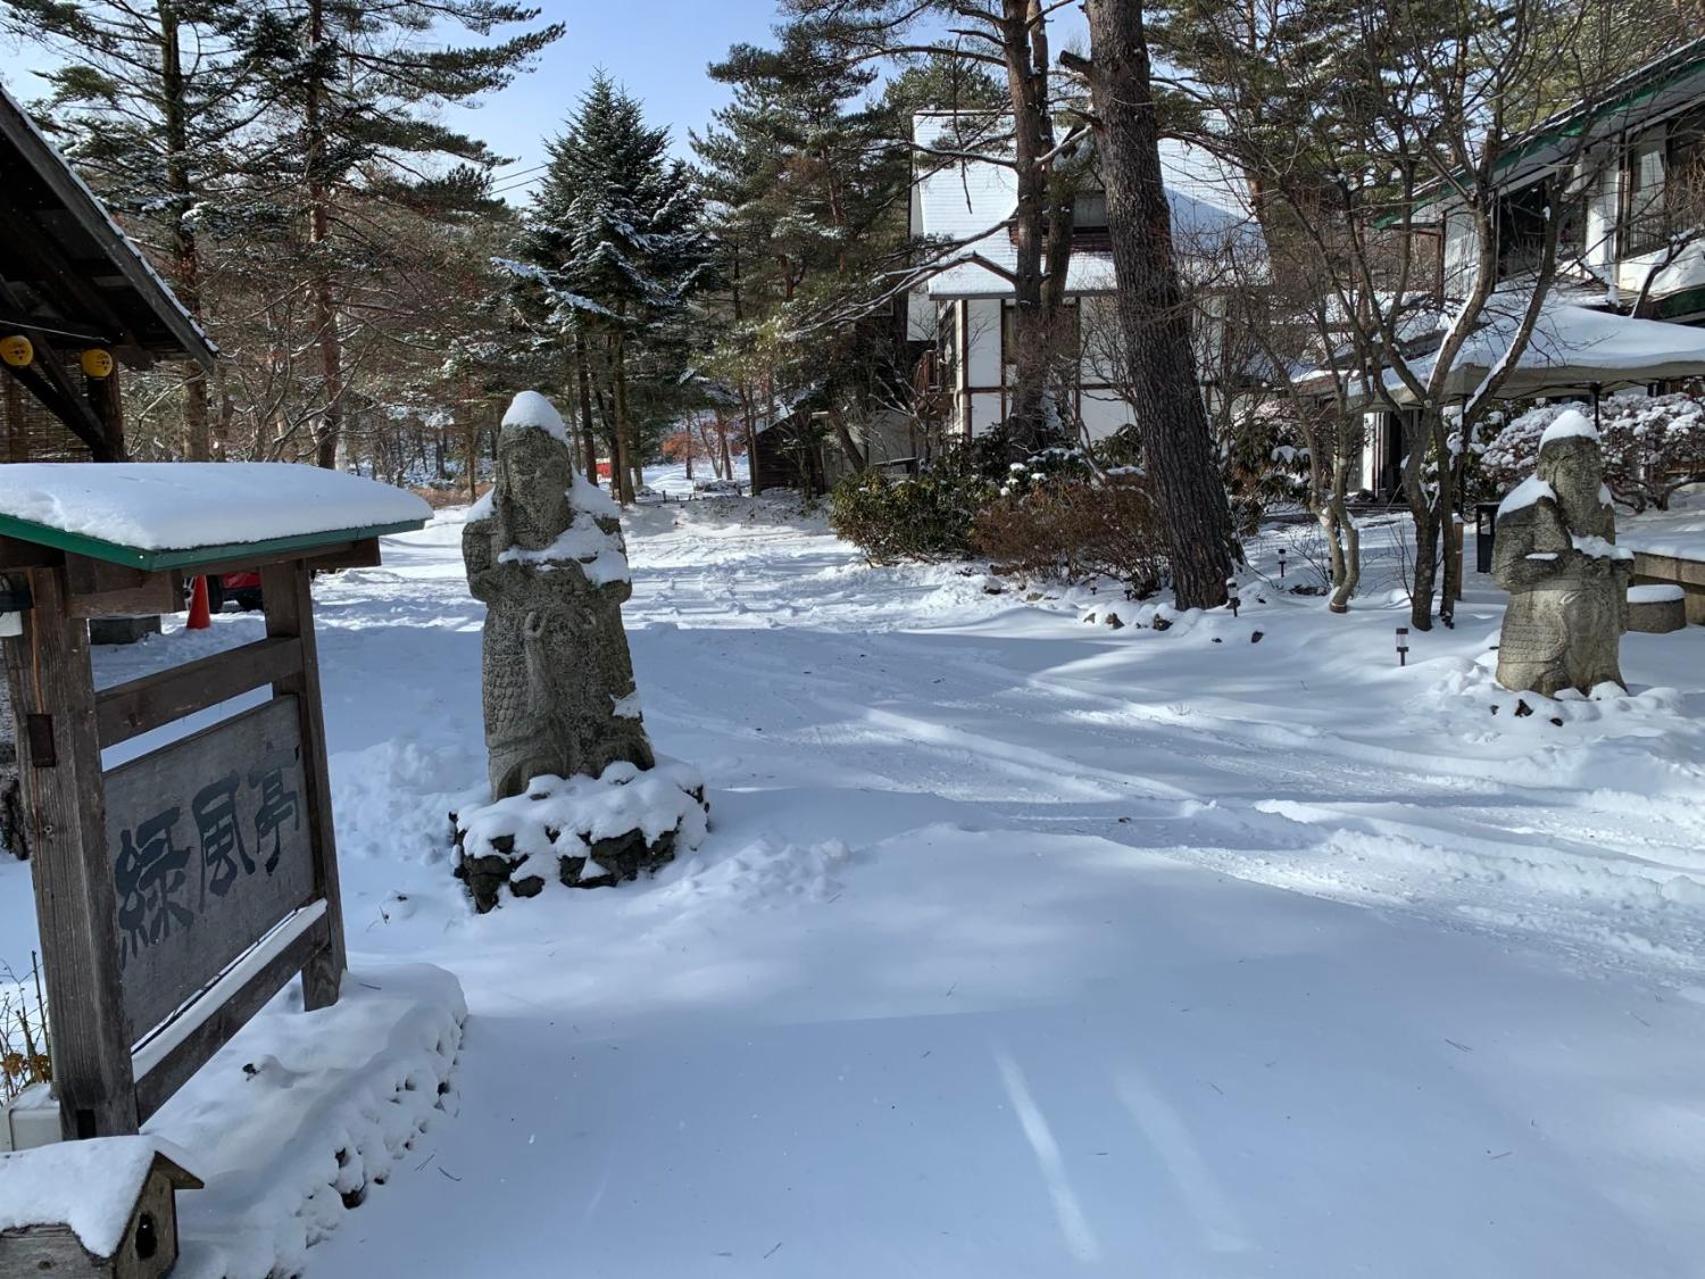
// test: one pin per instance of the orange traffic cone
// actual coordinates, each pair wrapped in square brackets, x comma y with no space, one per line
[200,616]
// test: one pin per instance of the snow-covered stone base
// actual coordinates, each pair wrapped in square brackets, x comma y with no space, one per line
[584,832]
[295,1119]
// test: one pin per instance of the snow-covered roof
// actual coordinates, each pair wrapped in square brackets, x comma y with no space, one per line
[969,201]
[182,506]
[1572,348]
[90,1186]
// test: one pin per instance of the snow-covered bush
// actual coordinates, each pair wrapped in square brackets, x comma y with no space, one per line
[1652,446]
[925,517]
[1075,528]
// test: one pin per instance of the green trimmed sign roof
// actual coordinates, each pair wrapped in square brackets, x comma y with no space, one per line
[178,515]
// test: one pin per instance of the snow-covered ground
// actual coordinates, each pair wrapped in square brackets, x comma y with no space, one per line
[1026,946]
[670,478]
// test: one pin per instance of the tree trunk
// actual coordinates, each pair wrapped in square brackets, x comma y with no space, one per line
[749,413]
[186,265]
[1449,531]
[1035,294]
[1423,509]
[1166,399]
[621,470]
[1346,537]
[588,438]
[330,338]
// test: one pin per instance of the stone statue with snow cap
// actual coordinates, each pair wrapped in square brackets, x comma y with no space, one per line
[1556,554]
[544,552]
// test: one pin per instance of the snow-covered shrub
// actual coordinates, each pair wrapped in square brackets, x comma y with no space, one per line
[1652,445]
[924,517]
[1075,528]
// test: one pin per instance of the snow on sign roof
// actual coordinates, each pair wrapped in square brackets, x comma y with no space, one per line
[90,1186]
[158,515]
[969,201]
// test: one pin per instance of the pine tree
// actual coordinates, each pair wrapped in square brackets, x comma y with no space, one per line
[807,173]
[352,87]
[1166,397]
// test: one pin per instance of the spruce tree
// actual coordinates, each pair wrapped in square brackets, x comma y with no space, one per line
[617,254]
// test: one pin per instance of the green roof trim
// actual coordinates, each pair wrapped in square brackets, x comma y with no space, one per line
[1574,121]
[187,558]
[1588,116]
[1686,302]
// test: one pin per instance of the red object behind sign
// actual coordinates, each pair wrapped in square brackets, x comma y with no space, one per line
[200,616]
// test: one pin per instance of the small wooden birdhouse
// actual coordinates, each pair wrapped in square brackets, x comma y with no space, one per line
[103,1207]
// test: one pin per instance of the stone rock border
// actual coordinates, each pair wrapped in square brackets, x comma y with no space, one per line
[581,832]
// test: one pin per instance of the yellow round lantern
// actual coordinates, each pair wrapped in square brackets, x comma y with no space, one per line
[97,363]
[17,350]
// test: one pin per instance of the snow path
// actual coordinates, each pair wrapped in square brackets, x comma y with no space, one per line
[1025,947]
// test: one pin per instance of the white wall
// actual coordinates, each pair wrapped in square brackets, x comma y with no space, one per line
[983,337]
[1604,203]
[985,411]
[1461,246]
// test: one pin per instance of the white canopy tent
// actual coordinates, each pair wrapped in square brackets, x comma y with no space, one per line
[1572,350]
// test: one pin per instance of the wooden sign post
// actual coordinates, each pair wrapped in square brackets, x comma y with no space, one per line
[178,892]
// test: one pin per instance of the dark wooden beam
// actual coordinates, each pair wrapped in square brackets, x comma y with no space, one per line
[19,554]
[290,613]
[59,765]
[362,554]
[65,400]
[331,555]
[75,412]
[131,709]
[122,256]
[100,589]
[67,280]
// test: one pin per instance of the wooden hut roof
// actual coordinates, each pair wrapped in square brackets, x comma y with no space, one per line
[68,275]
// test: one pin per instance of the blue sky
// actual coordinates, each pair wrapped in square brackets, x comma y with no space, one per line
[658,49]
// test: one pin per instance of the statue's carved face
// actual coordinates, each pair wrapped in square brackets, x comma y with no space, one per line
[535,473]
[1575,472]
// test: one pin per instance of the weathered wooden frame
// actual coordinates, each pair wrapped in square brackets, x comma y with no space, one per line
[105,1085]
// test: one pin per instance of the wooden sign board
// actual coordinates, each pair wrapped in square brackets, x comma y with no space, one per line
[178,893]
[210,845]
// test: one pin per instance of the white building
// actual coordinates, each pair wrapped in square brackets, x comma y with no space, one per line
[1631,165]
[966,309]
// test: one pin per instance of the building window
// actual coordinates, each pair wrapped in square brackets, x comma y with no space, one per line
[1643,226]
[1665,180]
[1523,222]
[1089,211]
